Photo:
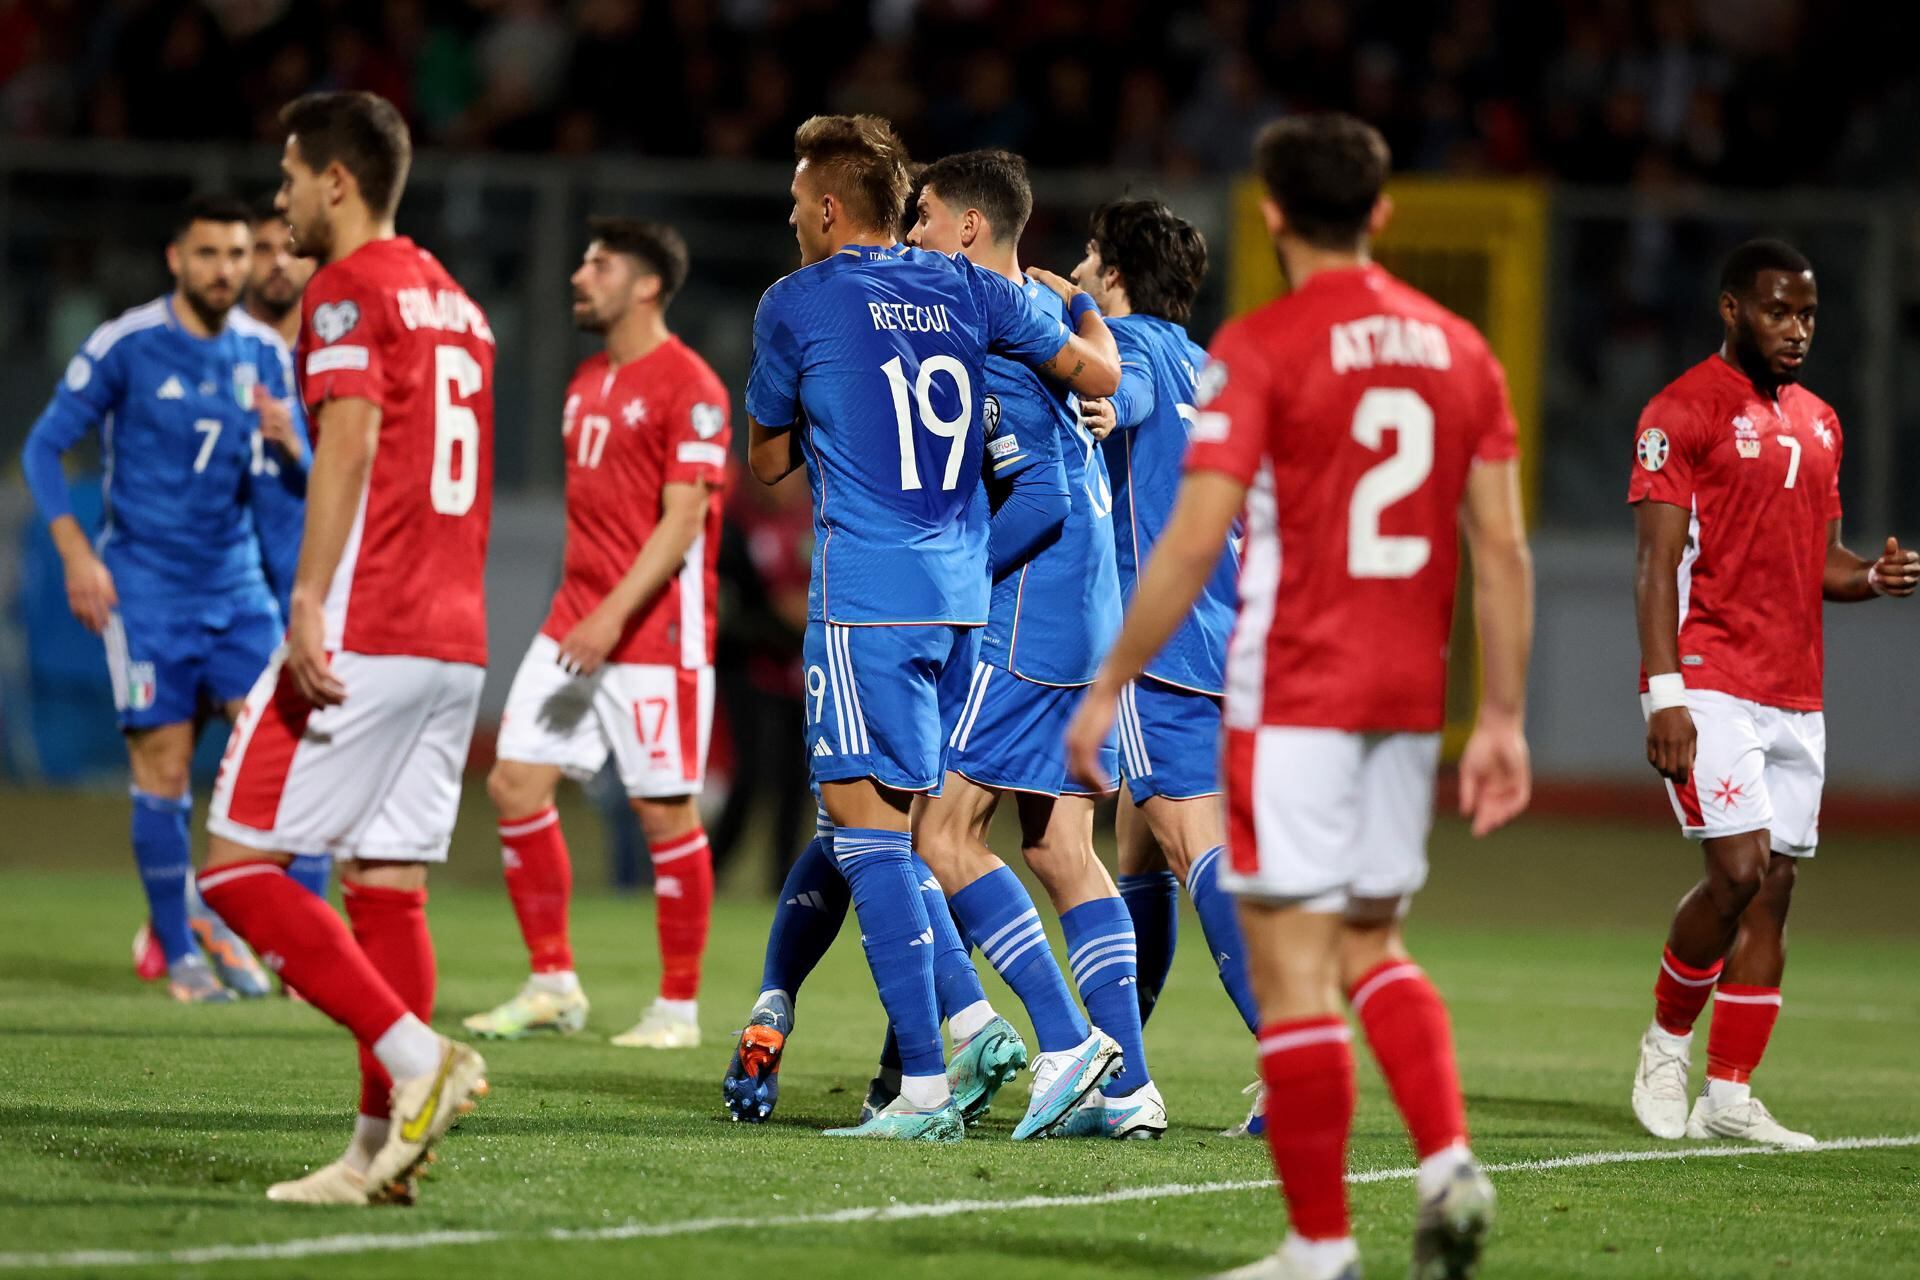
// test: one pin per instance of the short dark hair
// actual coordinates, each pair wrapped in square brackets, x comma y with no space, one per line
[1162,258]
[1326,172]
[860,159]
[211,206]
[1741,271]
[910,207]
[992,181]
[657,247]
[364,132]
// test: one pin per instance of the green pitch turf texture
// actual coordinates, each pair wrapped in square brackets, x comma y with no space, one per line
[128,1123]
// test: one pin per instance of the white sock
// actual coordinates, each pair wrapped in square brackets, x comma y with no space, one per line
[1437,1168]
[408,1048]
[562,983]
[1725,1093]
[687,1010]
[925,1093]
[1320,1257]
[1683,1044]
[369,1135]
[967,1023]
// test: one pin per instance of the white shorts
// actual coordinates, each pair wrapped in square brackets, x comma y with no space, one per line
[1755,768]
[376,777]
[1321,817]
[656,721]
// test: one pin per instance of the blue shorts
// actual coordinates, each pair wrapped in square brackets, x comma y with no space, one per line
[877,699]
[1012,735]
[170,667]
[1169,741]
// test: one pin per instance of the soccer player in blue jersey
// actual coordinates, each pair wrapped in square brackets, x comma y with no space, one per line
[276,277]
[1055,609]
[868,369]
[179,389]
[1144,266]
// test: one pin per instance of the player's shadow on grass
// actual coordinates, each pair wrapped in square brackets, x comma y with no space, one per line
[195,1125]
[1514,1117]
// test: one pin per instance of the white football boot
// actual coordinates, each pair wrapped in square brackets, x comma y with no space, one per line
[1289,1262]
[533,1009]
[1660,1085]
[661,1027]
[424,1108]
[1746,1119]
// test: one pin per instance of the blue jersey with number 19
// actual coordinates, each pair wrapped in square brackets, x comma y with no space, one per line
[878,356]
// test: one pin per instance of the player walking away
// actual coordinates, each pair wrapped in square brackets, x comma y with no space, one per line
[1352,419]
[354,738]
[276,278]
[1736,499]
[877,353]
[1055,610]
[178,387]
[1144,266]
[624,663]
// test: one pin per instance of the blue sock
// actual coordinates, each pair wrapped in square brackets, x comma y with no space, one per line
[897,938]
[1221,924]
[999,916]
[162,851]
[813,903]
[956,983]
[1102,952]
[1153,900]
[311,871]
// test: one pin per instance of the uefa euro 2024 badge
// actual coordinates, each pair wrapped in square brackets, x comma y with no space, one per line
[1652,449]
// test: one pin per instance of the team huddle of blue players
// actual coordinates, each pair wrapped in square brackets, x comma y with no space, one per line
[990,460]
[991,452]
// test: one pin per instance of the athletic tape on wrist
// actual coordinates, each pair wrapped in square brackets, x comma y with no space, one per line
[1079,305]
[1666,690]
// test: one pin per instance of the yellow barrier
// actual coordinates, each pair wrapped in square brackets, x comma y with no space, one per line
[1478,247]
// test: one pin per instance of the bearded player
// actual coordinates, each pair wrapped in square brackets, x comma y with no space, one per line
[1362,428]
[1736,499]
[354,738]
[624,664]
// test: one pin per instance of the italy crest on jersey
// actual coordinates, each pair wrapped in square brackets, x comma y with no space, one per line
[246,376]
[1652,449]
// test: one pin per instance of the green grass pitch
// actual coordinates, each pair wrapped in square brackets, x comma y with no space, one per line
[137,1137]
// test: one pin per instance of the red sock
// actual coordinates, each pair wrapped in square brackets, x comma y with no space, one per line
[300,938]
[540,882]
[1680,992]
[1406,1025]
[391,927]
[1307,1065]
[1743,1019]
[683,898]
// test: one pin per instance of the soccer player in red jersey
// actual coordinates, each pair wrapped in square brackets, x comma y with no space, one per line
[624,663]
[354,738]
[1736,497]
[1361,426]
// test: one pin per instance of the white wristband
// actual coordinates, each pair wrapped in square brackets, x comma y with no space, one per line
[1873,580]
[1664,691]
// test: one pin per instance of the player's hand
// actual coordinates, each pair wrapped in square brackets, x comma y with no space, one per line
[1496,775]
[585,648]
[276,425]
[1059,284]
[90,592]
[307,660]
[1098,418]
[1896,572]
[1088,732]
[1670,744]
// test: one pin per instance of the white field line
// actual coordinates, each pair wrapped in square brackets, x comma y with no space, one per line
[394,1242]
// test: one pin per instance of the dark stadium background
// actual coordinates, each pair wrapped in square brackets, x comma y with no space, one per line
[1574,171]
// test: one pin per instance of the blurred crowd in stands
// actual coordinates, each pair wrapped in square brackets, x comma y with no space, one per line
[1743,92]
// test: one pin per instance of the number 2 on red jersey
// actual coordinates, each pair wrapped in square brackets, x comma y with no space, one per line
[1370,553]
